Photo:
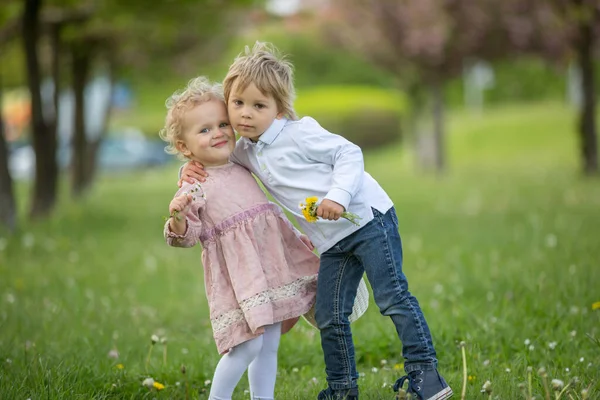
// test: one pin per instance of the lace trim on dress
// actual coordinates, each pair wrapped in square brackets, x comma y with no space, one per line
[231,317]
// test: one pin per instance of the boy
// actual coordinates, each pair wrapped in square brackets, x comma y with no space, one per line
[296,159]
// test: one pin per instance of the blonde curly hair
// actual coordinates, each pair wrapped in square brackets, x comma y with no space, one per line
[270,71]
[198,90]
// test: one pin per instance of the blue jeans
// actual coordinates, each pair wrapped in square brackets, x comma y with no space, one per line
[376,249]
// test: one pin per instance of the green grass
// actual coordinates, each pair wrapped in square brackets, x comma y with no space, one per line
[502,250]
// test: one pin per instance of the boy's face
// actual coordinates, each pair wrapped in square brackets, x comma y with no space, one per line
[207,135]
[251,112]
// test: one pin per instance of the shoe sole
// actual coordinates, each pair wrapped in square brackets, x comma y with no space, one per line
[446,393]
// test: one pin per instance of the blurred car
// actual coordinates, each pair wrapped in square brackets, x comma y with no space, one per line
[116,153]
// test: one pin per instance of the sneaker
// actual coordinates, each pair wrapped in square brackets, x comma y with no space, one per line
[344,394]
[425,385]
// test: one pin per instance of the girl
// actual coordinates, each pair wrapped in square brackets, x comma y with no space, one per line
[260,273]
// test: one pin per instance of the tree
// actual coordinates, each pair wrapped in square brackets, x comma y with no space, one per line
[8,212]
[582,23]
[423,42]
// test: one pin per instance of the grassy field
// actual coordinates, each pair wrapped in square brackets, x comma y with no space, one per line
[503,253]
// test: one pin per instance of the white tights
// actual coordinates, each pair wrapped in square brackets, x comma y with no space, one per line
[259,356]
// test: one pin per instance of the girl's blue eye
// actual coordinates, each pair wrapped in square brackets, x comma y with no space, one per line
[205,130]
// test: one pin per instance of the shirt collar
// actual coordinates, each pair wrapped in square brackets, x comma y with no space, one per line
[269,136]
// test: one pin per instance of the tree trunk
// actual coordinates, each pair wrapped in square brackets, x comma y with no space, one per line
[438,126]
[8,211]
[44,139]
[588,138]
[81,64]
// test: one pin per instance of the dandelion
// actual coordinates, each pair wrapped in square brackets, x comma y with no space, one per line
[114,354]
[314,380]
[596,306]
[158,386]
[552,345]
[486,363]
[207,382]
[374,370]
[148,382]
[294,369]
[153,340]
[119,366]
[398,367]
[309,211]
[557,385]
[527,342]
[487,388]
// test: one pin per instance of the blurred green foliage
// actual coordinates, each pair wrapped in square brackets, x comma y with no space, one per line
[367,116]
[315,62]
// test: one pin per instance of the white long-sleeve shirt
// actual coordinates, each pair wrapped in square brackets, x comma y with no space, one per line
[299,159]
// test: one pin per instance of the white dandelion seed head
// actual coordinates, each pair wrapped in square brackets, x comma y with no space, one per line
[163,340]
[294,369]
[567,370]
[314,380]
[531,347]
[148,382]
[114,354]
[581,359]
[383,362]
[384,384]
[542,372]
[374,370]
[573,334]
[487,387]
[362,374]
[154,339]
[507,370]
[552,345]
[527,342]
[486,363]
[557,384]
[207,382]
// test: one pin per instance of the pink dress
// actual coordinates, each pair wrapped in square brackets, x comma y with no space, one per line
[256,269]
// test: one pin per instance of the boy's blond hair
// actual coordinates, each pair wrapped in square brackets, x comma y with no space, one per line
[198,90]
[271,73]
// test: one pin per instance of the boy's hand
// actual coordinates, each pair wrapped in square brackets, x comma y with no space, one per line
[181,205]
[329,209]
[307,242]
[192,170]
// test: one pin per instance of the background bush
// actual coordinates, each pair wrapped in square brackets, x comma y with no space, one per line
[367,116]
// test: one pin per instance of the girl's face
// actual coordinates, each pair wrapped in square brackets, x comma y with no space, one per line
[251,111]
[207,135]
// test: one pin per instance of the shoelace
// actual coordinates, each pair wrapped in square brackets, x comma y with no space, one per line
[412,385]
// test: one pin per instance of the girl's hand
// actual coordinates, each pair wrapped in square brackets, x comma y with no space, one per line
[329,209]
[181,205]
[192,171]
[307,242]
